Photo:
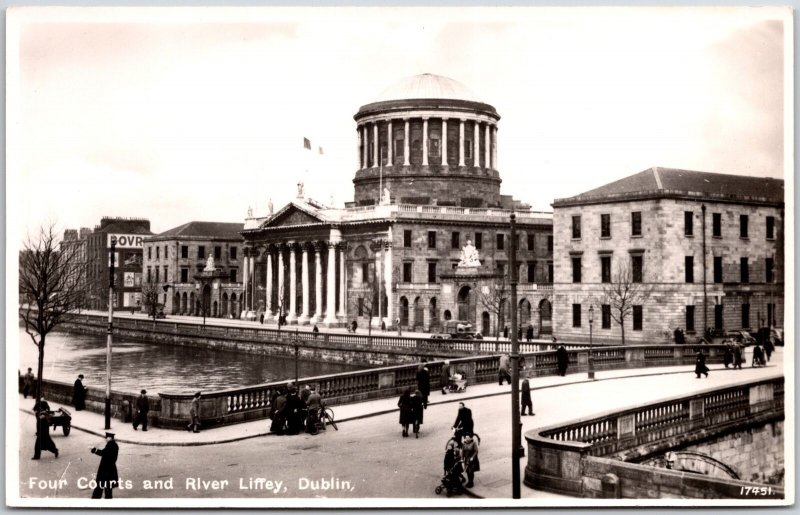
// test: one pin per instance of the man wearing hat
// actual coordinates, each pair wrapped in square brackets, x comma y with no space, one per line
[79,394]
[43,440]
[194,412]
[142,408]
[107,477]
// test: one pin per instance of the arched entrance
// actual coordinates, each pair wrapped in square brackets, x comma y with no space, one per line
[206,307]
[419,314]
[224,305]
[447,315]
[215,309]
[545,317]
[192,304]
[486,324]
[176,304]
[524,314]
[403,311]
[466,305]
[433,313]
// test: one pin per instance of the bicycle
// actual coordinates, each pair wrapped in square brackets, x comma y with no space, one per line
[453,439]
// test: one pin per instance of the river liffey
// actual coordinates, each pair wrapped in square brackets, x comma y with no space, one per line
[159,368]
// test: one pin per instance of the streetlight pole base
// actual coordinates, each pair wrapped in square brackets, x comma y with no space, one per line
[591,375]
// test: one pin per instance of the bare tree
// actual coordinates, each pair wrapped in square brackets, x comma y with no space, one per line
[623,293]
[495,301]
[51,286]
[150,294]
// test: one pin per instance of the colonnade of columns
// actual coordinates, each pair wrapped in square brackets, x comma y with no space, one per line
[281,262]
[372,134]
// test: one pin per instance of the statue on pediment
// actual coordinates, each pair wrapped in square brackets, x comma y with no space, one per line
[210,265]
[300,190]
[386,197]
[469,256]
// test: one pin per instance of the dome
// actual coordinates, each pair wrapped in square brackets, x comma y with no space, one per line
[426,85]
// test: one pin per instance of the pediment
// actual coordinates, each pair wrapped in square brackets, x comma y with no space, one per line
[292,216]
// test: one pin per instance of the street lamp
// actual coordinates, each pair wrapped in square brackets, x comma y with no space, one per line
[591,360]
[109,337]
[202,302]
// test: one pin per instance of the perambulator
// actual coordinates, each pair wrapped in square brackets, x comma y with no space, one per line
[453,479]
[457,383]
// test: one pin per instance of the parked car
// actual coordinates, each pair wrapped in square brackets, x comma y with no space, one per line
[440,336]
[741,337]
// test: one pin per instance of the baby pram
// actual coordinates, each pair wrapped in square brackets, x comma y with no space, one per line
[453,480]
[457,383]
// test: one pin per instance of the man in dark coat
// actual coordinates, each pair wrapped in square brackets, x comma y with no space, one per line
[295,408]
[424,383]
[43,440]
[444,380]
[464,425]
[529,333]
[406,411]
[700,364]
[525,398]
[768,347]
[279,413]
[28,383]
[562,360]
[79,394]
[142,409]
[737,356]
[107,477]
[194,413]
[505,332]
[418,409]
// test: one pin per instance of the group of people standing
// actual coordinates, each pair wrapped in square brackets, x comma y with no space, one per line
[292,412]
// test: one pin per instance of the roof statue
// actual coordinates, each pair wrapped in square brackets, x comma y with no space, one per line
[300,188]
[210,265]
[269,206]
[385,197]
[469,256]
[249,212]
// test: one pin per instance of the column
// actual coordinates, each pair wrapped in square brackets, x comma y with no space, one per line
[375,154]
[292,315]
[389,141]
[245,282]
[317,283]
[304,316]
[377,310]
[487,148]
[406,146]
[387,263]
[281,283]
[268,303]
[424,142]
[494,148]
[342,282]
[359,149]
[252,296]
[476,146]
[330,314]
[444,142]
[461,143]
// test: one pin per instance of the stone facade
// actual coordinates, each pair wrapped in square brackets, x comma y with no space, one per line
[670,239]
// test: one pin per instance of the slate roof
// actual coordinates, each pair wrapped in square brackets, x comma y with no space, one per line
[125,227]
[203,230]
[658,182]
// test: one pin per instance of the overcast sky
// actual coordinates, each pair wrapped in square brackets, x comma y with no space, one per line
[196,114]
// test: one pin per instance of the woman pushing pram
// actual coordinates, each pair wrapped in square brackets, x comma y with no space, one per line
[453,479]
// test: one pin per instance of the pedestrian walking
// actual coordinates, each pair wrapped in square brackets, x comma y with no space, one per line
[142,409]
[525,398]
[354,326]
[529,334]
[700,364]
[194,413]
[418,410]
[503,369]
[444,379]
[79,394]
[397,325]
[562,360]
[768,347]
[727,358]
[315,331]
[424,383]
[107,477]
[41,405]
[469,453]
[406,411]
[464,425]
[27,383]
[738,355]
[519,334]
[505,332]
[43,440]
[278,414]
[758,356]
[383,326]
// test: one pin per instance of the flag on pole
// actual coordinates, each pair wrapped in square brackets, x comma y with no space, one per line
[307,143]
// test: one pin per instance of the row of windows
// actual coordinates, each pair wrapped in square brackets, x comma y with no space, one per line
[637,269]
[408,267]
[688,225]
[201,252]
[184,274]
[455,240]
[605,316]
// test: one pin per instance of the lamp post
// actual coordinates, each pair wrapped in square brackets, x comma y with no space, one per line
[516,430]
[591,359]
[166,288]
[296,356]
[109,336]
[202,302]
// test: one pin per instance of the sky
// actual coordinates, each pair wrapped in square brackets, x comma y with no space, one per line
[200,113]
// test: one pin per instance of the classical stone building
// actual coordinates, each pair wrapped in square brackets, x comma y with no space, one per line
[177,259]
[705,249]
[427,182]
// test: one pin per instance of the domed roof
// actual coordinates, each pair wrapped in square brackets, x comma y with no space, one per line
[426,85]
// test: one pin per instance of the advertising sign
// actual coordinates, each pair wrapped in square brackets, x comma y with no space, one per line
[129,280]
[126,241]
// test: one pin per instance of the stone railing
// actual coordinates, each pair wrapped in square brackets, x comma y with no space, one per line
[585,457]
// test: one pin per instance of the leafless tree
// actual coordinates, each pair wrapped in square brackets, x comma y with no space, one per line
[623,293]
[51,286]
[495,301]
[150,294]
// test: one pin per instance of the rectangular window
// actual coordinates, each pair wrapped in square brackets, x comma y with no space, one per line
[399,150]
[501,241]
[718,318]
[744,270]
[549,244]
[157,277]
[770,315]
[166,254]
[688,223]
[605,269]
[149,252]
[531,271]
[217,252]
[716,225]
[576,227]
[455,240]
[769,268]
[201,251]
[407,272]
[364,273]
[431,272]
[149,274]
[501,267]
[233,277]
[166,273]
[605,226]
[433,147]
[185,251]
[407,239]
[636,223]
[233,253]
[689,318]
[637,263]
[576,270]
[745,316]
[531,242]
[605,315]
[184,275]
[576,315]
[431,239]
[717,269]
[361,306]
[743,221]
[467,148]
[689,269]
[550,272]
[770,227]
[158,252]
[478,240]
[638,316]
